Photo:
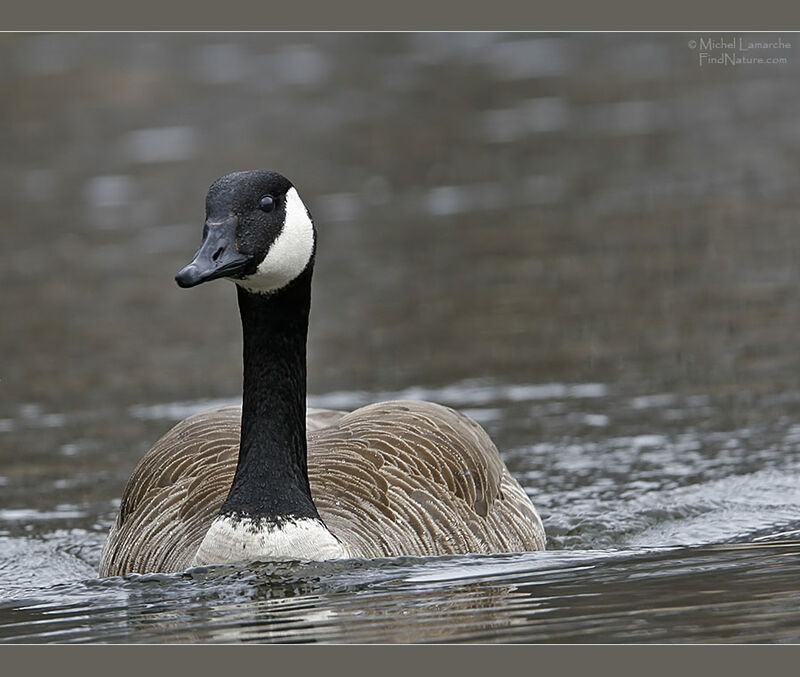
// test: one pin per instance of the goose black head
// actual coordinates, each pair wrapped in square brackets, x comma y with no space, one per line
[258,233]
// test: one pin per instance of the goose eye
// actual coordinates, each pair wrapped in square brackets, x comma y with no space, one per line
[267,203]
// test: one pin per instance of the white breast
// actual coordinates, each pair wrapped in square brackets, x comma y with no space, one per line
[234,539]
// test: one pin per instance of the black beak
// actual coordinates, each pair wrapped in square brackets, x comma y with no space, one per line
[217,256]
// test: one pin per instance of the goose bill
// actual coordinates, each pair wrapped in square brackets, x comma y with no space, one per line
[217,256]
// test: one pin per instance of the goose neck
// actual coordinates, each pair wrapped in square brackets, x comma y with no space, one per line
[271,480]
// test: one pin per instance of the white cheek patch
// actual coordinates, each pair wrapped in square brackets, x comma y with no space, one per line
[289,254]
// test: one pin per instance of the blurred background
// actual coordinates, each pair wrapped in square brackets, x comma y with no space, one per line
[589,242]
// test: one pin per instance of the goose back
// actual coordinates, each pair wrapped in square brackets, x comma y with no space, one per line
[394,478]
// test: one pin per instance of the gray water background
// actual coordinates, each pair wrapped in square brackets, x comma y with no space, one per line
[589,243]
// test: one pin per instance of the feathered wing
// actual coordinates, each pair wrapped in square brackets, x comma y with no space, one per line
[173,495]
[416,478]
[395,478]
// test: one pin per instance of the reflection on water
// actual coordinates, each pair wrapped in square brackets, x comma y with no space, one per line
[709,594]
[588,243]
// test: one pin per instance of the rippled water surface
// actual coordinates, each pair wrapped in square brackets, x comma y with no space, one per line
[587,243]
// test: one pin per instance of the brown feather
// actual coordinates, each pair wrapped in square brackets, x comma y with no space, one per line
[389,479]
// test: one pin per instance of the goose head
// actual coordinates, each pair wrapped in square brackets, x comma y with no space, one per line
[257,233]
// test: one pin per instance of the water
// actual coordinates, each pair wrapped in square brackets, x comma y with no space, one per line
[588,243]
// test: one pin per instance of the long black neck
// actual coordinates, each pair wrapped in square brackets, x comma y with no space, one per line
[271,480]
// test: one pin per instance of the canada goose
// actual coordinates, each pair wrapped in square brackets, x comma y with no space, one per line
[262,481]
